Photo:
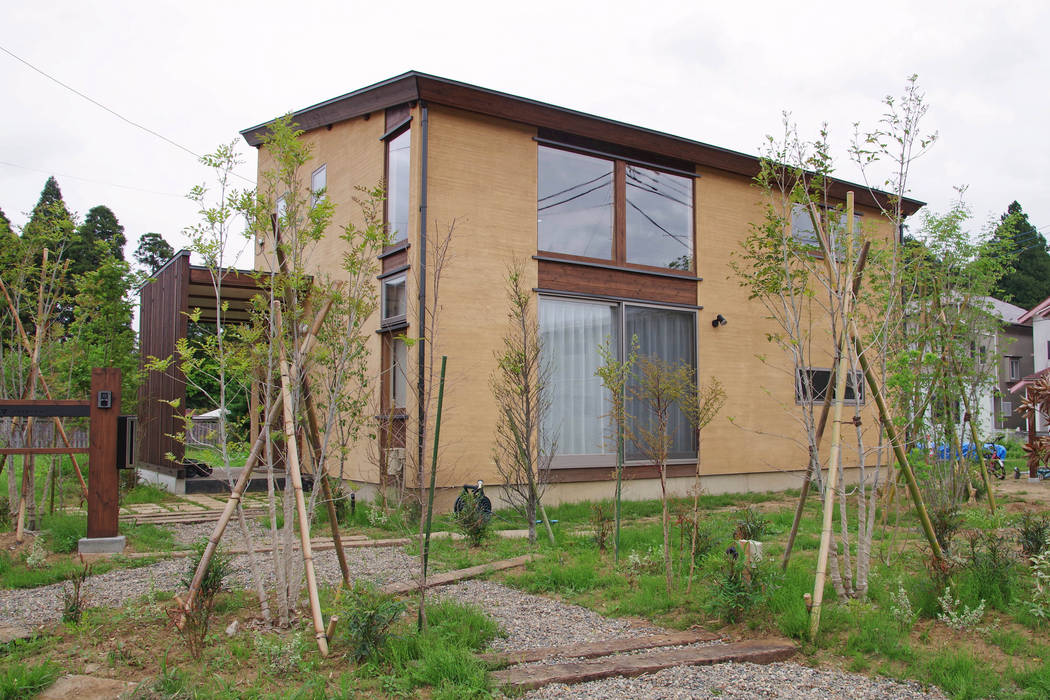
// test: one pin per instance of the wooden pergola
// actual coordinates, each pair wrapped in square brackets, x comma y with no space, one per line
[168,297]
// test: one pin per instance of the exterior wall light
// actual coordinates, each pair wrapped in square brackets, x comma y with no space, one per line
[719,320]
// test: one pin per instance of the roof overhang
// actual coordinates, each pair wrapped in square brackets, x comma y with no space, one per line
[1028,380]
[416,86]
[1039,310]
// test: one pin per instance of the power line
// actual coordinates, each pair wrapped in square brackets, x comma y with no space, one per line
[86,179]
[104,107]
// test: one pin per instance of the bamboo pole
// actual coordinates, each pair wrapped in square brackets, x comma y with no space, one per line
[421,620]
[292,455]
[249,465]
[836,433]
[47,391]
[821,423]
[314,434]
[29,461]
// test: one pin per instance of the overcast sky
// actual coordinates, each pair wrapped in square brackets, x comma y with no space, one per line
[722,73]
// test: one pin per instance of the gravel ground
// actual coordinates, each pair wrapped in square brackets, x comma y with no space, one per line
[777,680]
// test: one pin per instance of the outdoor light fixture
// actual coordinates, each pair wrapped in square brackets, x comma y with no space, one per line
[719,320]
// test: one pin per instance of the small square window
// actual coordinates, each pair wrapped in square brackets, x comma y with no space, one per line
[1015,367]
[318,185]
[395,300]
[1006,408]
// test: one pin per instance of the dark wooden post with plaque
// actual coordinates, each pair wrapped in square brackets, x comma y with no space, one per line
[103,495]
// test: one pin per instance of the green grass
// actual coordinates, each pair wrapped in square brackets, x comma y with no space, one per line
[145,493]
[17,682]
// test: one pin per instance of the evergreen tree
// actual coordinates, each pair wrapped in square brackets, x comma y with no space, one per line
[49,216]
[1027,281]
[153,251]
[5,224]
[100,234]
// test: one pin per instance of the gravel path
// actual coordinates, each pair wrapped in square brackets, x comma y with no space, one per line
[777,680]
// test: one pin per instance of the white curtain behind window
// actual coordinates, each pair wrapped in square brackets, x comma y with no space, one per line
[571,332]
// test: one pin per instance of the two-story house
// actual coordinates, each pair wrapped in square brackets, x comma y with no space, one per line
[623,232]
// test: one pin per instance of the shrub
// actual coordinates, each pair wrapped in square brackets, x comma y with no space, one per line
[739,588]
[955,618]
[946,520]
[1039,606]
[989,571]
[280,655]
[473,520]
[73,599]
[602,523]
[750,524]
[1033,534]
[65,531]
[366,618]
[194,623]
[901,609]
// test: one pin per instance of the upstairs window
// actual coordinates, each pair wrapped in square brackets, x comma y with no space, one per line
[614,210]
[398,161]
[833,222]
[394,301]
[1015,367]
[318,185]
[811,386]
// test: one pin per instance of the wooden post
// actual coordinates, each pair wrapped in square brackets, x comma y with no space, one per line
[1033,456]
[103,499]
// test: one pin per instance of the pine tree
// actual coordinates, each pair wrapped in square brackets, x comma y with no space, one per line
[1027,282]
[100,227]
[153,251]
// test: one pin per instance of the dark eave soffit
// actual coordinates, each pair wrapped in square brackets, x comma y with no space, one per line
[432,89]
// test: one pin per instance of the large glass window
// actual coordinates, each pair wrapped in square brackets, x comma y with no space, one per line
[579,211]
[575,204]
[395,300]
[659,219]
[834,224]
[398,160]
[398,372]
[811,385]
[318,184]
[571,332]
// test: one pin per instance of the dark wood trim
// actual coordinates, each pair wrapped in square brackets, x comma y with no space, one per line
[565,475]
[606,297]
[396,130]
[634,269]
[392,327]
[394,248]
[393,272]
[619,212]
[41,408]
[44,450]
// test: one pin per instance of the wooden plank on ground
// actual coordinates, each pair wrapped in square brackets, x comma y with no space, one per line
[448,577]
[593,649]
[753,651]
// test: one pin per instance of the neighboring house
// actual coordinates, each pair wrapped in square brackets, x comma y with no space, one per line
[1039,317]
[1013,350]
[623,231]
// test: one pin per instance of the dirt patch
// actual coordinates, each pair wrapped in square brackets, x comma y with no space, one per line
[1023,495]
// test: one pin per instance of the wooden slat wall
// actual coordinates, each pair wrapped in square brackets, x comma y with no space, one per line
[161,323]
[569,277]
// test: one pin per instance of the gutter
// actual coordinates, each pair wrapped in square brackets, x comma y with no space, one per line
[421,384]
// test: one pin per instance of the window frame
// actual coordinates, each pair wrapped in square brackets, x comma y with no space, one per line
[619,233]
[858,381]
[1013,362]
[814,246]
[318,194]
[386,320]
[388,138]
[599,460]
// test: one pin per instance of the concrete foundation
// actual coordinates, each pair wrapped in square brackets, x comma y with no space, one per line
[101,545]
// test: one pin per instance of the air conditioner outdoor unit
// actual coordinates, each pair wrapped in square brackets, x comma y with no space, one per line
[395,460]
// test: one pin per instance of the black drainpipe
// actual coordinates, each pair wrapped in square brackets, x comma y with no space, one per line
[421,385]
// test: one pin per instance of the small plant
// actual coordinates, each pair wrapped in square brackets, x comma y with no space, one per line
[193,624]
[955,618]
[73,599]
[946,520]
[648,562]
[738,589]
[901,609]
[282,655]
[602,523]
[22,681]
[473,520]
[37,554]
[366,616]
[1033,534]
[1039,606]
[750,524]
[377,517]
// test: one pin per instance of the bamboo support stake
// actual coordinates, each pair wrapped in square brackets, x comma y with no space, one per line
[836,435]
[430,497]
[292,455]
[249,465]
[47,392]
[29,461]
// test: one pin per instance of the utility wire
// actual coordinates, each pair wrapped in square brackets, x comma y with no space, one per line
[86,179]
[104,107]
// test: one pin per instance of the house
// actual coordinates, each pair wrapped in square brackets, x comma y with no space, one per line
[1039,318]
[1013,349]
[623,231]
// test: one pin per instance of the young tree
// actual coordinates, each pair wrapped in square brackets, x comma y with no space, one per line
[152,252]
[660,388]
[615,374]
[520,385]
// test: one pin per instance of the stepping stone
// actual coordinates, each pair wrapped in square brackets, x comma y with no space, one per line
[86,688]
[454,576]
[11,634]
[755,651]
[593,649]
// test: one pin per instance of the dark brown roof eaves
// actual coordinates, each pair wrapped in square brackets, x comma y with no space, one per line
[429,88]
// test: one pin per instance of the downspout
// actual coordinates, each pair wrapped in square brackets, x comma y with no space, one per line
[421,383]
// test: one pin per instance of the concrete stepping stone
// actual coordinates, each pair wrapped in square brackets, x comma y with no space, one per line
[10,634]
[758,651]
[86,688]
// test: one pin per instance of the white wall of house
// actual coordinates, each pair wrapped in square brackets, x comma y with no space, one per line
[1041,350]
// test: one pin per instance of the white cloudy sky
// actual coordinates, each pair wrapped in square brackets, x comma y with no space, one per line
[198,72]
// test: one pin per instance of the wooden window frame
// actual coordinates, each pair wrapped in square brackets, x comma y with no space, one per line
[384,320]
[314,198]
[618,254]
[387,138]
